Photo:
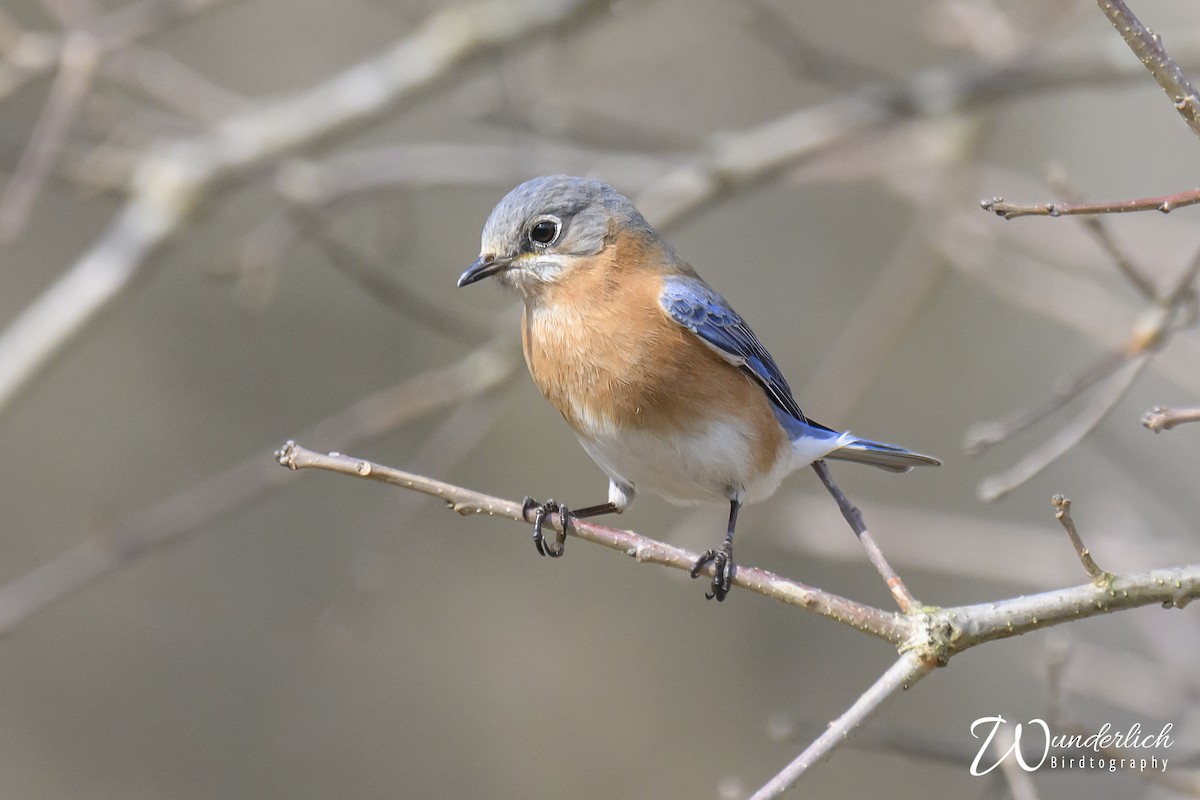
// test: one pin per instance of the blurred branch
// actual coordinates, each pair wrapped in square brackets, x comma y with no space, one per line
[805,59]
[1160,419]
[1150,333]
[382,284]
[173,519]
[1056,446]
[31,55]
[70,87]
[416,166]
[1148,47]
[983,435]
[173,178]
[733,162]
[174,85]
[907,670]
[1165,203]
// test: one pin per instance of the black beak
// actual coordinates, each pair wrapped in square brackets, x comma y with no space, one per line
[483,267]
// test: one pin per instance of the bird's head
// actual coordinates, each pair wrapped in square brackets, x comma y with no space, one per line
[546,228]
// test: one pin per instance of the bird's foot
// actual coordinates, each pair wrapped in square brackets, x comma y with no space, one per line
[723,570]
[540,511]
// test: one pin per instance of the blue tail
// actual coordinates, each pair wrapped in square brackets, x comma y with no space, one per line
[863,451]
[884,456]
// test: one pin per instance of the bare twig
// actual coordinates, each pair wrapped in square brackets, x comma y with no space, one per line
[866,618]
[1164,203]
[936,633]
[1095,225]
[853,516]
[732,163]
[1160,418]
[906,671]
[1062,512]
[1148,47]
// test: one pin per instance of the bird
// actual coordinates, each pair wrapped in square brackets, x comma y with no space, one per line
[664,384]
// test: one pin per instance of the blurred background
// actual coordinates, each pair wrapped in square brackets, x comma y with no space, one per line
[226,222]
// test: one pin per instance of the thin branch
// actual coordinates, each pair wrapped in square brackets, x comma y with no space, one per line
[1148,47]
[853,516]
[877,622]
[906,671]
[935,633]
[1062,512]
[730,163]
[1161,418]
[1095,225]
[1165,203]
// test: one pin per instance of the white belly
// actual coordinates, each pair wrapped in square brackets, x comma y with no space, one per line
[714,465]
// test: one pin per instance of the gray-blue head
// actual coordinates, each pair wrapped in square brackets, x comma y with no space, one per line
[541,229]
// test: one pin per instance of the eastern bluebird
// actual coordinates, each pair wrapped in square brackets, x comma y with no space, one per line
[664,384]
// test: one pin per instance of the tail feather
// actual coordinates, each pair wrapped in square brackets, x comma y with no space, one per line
[882,455]
[812,440]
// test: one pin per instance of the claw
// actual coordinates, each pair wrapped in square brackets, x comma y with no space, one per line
[723,570]
[540,510]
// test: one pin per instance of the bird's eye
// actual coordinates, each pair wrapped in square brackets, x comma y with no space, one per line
[544,231]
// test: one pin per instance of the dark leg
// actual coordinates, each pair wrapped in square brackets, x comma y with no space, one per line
[722,560]
[541,510]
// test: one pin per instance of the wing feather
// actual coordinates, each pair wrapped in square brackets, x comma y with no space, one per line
[692,303]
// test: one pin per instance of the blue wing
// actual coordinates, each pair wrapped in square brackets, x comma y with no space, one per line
[694,305]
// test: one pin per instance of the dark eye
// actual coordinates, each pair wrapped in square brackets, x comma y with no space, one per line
[544,231]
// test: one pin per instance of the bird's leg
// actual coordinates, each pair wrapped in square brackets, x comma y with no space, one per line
[722,560]
[541,510]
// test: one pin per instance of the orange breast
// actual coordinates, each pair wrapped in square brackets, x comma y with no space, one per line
[609,359]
